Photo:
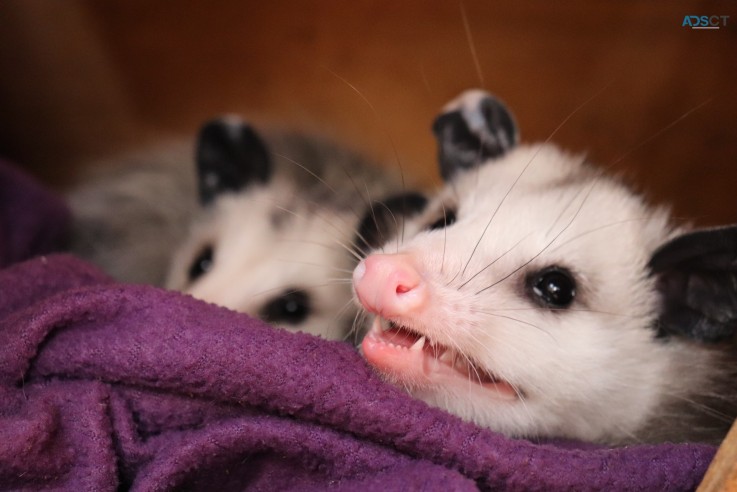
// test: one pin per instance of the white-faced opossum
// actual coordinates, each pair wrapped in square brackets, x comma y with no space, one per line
[272,234]
[539,298]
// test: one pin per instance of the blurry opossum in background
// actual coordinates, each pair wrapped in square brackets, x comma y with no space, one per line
[268,227]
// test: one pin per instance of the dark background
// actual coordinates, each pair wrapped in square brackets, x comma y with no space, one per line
[81,79]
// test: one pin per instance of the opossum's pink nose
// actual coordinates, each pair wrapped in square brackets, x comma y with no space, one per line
[389,285]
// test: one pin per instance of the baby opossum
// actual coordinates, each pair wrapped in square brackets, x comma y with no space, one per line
[273,233]
[539,298]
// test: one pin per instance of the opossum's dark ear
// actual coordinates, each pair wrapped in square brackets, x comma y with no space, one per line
[697,278]
[230,156]
[384,219]
[472,129]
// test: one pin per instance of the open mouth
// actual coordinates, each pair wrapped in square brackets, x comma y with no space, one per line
[411,358]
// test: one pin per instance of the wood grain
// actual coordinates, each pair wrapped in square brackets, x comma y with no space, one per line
[722,473]
[90,78]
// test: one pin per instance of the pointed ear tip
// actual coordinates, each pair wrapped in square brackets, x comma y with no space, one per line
[209,125]
[714,246]
[439,122]
[224,123]
[476,92]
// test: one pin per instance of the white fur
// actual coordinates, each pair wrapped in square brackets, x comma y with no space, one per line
[593,371]
[468,104]
[255,261]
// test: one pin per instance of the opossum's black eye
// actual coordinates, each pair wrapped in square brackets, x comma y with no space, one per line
[553,287]
[447,219]
[202,264]
[292,307]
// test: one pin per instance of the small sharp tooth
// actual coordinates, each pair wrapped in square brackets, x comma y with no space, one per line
[447,357]
[418,345]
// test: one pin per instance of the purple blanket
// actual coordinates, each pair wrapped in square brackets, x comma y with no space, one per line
[105,386]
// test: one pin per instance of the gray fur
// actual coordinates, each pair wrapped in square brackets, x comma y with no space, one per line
[132,210]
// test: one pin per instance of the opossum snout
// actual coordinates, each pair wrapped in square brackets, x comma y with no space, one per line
[390,285]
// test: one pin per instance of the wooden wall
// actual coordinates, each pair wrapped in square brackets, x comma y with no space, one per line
[87,78]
